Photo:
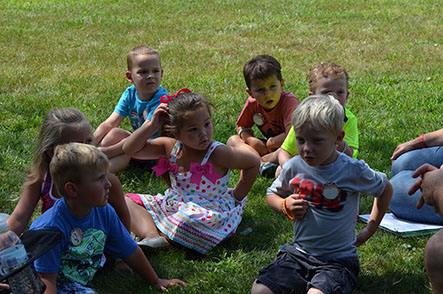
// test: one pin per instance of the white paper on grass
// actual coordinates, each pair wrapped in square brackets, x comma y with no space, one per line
[403,227]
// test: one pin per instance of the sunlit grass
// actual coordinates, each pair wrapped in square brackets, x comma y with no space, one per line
[73,53]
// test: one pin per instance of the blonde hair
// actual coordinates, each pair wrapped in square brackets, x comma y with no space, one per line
[327,70]
[321,112]
[71,161]
[55,123]
[142,50]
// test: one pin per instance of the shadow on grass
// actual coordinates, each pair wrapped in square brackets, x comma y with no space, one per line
[393,282]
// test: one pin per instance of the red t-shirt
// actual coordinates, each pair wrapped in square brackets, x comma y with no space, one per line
[273,122]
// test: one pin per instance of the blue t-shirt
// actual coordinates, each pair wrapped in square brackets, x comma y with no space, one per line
[101,229]
[130,105]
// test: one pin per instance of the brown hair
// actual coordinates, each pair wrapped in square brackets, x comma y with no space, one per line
[57,120]
[327,70]
[261,67]
[142,50]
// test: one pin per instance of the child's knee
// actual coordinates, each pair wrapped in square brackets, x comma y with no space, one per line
[259,288]
[434,253]
[234,141]
[114,136]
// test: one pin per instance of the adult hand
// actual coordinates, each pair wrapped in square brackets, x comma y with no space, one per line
[420,172]
[432,189]
[402,148]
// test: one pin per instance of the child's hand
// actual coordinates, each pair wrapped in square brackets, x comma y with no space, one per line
[160,115]
[296,206]
[163,284]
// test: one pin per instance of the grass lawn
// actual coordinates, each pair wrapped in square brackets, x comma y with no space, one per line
[73,53]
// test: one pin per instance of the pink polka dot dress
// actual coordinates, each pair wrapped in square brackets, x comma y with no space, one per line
[198,215]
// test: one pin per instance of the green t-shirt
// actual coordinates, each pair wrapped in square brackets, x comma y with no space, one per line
[351,135]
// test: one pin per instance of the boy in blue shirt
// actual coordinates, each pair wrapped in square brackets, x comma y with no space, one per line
[89,225]
[138,103]
[319,191]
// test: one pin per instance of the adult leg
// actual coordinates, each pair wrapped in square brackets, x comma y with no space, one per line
[403,205]
[434,261]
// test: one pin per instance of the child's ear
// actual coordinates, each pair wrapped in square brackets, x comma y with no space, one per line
[129,76]
[249,92]
[340,136]
[347,95]
[282,83]
[71,189]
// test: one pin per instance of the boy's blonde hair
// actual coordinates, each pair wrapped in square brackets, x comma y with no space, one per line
[72,161]
[55,123]
[321,112]
[142,50]
[328,70]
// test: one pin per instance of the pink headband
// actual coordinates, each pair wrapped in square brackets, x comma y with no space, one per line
[168,98]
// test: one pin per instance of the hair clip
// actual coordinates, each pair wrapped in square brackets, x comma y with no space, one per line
[168,98]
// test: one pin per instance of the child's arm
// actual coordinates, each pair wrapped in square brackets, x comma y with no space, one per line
[247,135]
[50,281]
[239,158]
[140,264]
[117,201]
[137,144]
[113,121]
[379,208]
[22,213]
[275,142]
[295,206]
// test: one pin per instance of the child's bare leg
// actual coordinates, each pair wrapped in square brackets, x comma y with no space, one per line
[271,157]
[113,137]
[314,291]
[119,163]
[117,201]
[434,261]
[259,288]
[142,223]
[256,146]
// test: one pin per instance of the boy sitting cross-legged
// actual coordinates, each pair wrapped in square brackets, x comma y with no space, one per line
[319,191]
[268,107]
[89,225]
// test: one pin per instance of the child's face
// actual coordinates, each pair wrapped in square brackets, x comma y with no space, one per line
[196,131]
[266,91]
[146,74]
[337,86]
[317,147]
[78,134]
[93,189]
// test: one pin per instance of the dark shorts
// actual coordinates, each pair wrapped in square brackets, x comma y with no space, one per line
[296,272]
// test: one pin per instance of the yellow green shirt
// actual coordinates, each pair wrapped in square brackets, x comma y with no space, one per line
[351,135]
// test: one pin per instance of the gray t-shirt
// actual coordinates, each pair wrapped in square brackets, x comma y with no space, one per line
[328,227]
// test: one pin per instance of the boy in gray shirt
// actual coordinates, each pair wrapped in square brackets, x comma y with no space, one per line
[319,190]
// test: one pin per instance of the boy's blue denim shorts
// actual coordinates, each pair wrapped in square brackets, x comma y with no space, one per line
[296,272]
[73,288]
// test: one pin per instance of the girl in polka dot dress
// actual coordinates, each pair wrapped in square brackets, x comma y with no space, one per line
[199,209]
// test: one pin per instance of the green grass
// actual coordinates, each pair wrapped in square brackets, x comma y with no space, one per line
[72,53]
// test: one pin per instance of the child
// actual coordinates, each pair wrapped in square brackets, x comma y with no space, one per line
[89,225]
[138,103]
[268,107]
[61,126]
[199,210]
[323,79]
[319,190]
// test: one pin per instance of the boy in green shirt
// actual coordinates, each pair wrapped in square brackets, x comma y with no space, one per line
[323,79]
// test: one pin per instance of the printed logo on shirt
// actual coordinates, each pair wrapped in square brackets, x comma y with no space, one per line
[314,194]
